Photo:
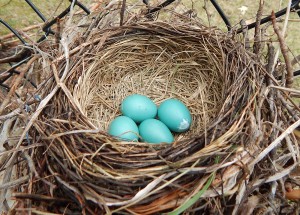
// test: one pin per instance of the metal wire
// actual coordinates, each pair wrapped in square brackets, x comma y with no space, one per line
[294,7]
[13,31]
[222,14]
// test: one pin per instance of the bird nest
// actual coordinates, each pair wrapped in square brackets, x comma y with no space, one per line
[158,66]
[239,129]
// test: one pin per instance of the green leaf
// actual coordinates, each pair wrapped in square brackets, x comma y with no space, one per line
[194,199]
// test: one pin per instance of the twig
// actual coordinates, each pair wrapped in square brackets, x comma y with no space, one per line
[269,67]
[57,33]
[275,143]
[9,44]
[208,14]
[263,40]
[284,50]
[294,20]
[245,34]
[39,197]
[81,46]
[16,84]
[291,90]
[14,183]
[291,110]
[34,116]
[23,148]
[30,164]
[122,12]
[257,35]
[276,176]
[271,58]
[92,25]
[10,35]
[288,9]
[25,52]
[10,115]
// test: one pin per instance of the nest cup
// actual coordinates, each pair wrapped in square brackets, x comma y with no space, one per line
[157,66]
[210,73]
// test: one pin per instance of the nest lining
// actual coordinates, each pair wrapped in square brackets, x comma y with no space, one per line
[158,67]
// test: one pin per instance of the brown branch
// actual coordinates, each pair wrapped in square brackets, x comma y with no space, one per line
[16,84]
[38,197]
[271,59]
[122,12]
[288,107]
[245,34]
[10,35]
[14,183]
[263,38]
[208,14]
[57,33]
[17,57]
[9,44]
[257,35]
[269,68]
[93,25]
[284,51]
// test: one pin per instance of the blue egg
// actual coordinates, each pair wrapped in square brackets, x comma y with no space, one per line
[175,115]
[138,108]
[154,131]
[124,128]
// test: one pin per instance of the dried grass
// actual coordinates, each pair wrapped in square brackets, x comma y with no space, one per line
[159,67]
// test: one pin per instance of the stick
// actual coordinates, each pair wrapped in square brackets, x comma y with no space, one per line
[38,197]
[208,14]
[288,9]
[275,143]
[257,35]
[284,50]
[9,44]
[245,34]
[10,115]
[122,12]
[16,84]
[10,35]
[14,183]
[291,90]
[271,58]
[17,57]
[57,33]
